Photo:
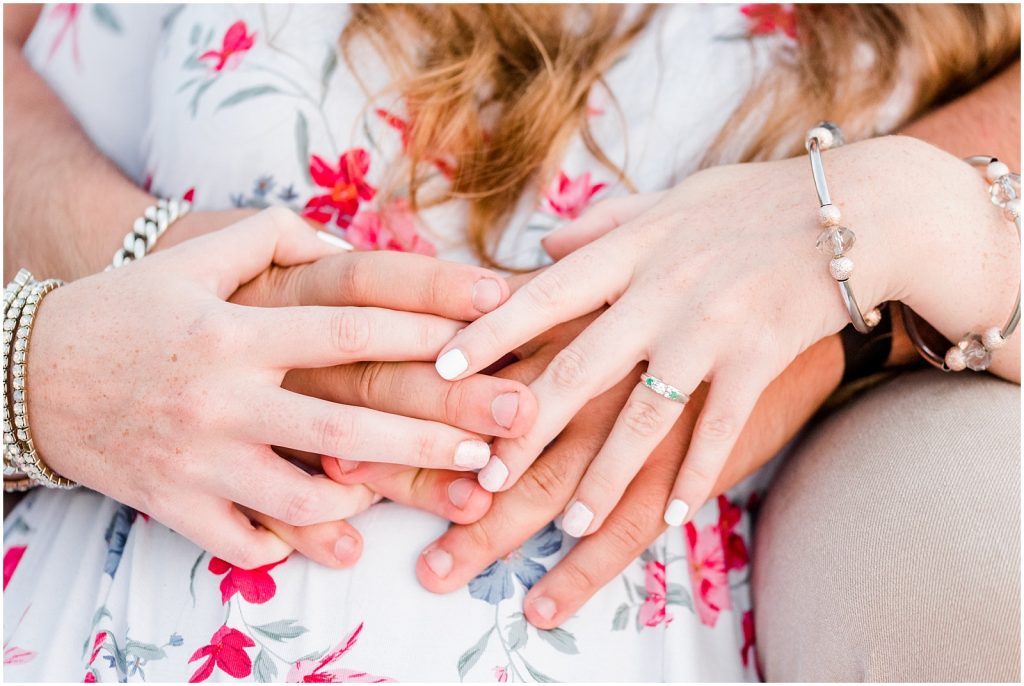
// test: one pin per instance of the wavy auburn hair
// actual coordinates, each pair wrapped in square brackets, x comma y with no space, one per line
[501,89]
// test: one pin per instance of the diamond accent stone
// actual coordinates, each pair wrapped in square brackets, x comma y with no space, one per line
[1004,189]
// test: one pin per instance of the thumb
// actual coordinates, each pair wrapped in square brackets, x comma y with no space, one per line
[596,222]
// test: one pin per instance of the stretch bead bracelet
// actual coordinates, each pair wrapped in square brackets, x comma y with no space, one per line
[18,444]
[836,240]
[14,300]
[974,350]
[147,229]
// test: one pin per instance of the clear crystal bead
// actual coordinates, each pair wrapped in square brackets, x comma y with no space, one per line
[836,240]
[978,357]
[1005,189]
[837,133]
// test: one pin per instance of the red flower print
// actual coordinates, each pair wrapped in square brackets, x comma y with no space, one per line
[749,649]
[403,126]
[70,12]
[708,575]
[652,612]
[226,650]
[13,655]
[729,515]
[347,187]
[500,674]
[315,671]
[11,559]
[393,228]
[255,585]
[236,42]
[767,19]
[569,197]
[96,645]
[90,678]
[189,196]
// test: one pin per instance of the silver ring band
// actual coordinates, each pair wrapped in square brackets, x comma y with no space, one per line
[663,389]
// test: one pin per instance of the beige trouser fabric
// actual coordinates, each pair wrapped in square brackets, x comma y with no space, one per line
[888,548]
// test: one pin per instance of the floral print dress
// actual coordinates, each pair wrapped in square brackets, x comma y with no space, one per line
[251,106]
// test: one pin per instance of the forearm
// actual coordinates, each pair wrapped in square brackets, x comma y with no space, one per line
[66,206]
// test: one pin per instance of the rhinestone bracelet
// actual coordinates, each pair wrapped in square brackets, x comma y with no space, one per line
[147,229]
[974,350]
[14,300]
[18,438]
[835,240]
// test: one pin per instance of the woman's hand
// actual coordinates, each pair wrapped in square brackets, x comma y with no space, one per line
[719,281]
[145,385]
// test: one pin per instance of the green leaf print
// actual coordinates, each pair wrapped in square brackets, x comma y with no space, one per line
[621,618]
[561,640]
[517,635]
[537,674]
[247,94]
[281,630]
[302,144]
[472,656]
[146,651]
[104,15]
[263,668]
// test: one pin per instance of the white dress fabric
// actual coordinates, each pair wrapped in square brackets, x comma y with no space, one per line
[251,106]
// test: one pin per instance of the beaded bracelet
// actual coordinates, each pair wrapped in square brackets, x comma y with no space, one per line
[835,240]
[18,444]
[974,350]
[147,229]
[14,300]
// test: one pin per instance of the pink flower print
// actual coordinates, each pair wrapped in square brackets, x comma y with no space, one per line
[13,655]
[569,197]
[393,228]
[226,650]
[90,678]
[403,127]
[347,187]
[255,585]
[652,612]
[236,42]
[766,19]
[189,196]
[11,559]
[733,545]
[69,12]
[748,652]
[500,674]
[316,671]
[708,575]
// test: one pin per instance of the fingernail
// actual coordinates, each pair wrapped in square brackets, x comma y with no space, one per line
[451,364]
[504,408]
[459,492]
[337,242]
[486,295]
[439,561]
[676,512]
[492,477]
[576,520]
[472,454]
[346,466]
[545,607]
[345,547]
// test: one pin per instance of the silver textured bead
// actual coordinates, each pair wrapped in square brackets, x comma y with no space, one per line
[955,359]
[992,338]
[872,317]
[829,215]
[841,268]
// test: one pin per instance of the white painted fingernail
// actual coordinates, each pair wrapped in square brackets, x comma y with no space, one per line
[451,364]
[492,477]
[336,241]
[676,512]
[472,454]
[577,519]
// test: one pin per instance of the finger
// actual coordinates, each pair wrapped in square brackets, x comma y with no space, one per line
[566,290]
[218,527]
[399,281]
[334,544]
[265,482]
[599,357]
[731,398]
[478,403]
[227,258]
[597,221]
[464,551]
[643,423]
[352,472]
[631,528]
[322,336]
[452,495]
[280,417]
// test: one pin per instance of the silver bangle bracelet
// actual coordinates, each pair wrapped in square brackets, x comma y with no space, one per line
[14,300]
[147,229]
[835,240]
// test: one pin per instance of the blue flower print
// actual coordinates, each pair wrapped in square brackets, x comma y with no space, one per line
[495,584]
[116,537]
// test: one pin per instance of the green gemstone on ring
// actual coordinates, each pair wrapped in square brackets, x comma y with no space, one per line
[672,395]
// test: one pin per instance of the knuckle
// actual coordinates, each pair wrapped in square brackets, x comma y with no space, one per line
[301,508]
[600,488]
[355,279]
[544,482]
[211,332]
[717,427]
[642,417]
[350,330]
[426,448]
[242,555]
[568,368]
[372,382]
[629,534]
[699,478]
[281,218]
[335,433]
[547,290]
[454,396]
[578,576]
[437,291]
